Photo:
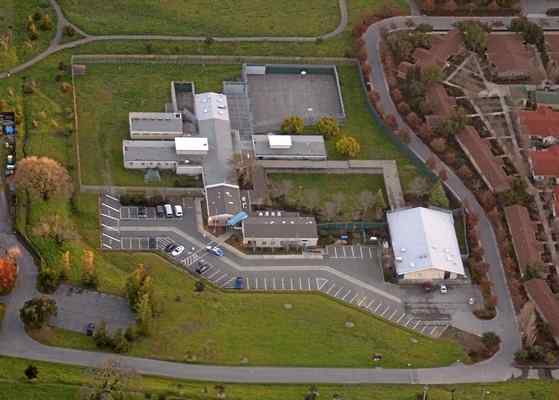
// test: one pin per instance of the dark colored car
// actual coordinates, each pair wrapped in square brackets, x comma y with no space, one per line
[160,211]
[90,329]
[239,283]
[170,247]
[202,267]
[142,212]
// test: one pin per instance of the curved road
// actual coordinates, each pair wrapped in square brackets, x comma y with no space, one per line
[14,342]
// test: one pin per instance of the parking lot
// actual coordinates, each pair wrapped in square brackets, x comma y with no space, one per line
[353,252]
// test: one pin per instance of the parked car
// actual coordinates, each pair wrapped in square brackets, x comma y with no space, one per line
[444,289]
[202,267]
[160,211]
[170,247]
[142,212]
[178,211]
[177,251]
[9,172]
[10,161]
[90,329]
[216,251]
[168,210]
[427,286]
[239,283]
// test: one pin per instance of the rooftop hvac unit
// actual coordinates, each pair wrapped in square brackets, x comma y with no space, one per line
[399,259]
[279,142]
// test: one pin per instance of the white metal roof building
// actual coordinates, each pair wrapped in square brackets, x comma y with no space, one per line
[425,244]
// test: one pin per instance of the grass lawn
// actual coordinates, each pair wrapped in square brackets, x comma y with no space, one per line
[60,382]
[107,93]
[13,18]
[225,328]
[206,17]
[329,186]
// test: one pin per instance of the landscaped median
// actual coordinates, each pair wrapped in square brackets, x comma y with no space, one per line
[60,382]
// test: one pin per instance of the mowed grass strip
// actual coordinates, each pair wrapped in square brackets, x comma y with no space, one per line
[62,382]
[258,329]
[105,96]
[206,17]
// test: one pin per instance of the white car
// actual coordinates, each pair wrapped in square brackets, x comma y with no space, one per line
[178,211]
[177,251]
[444,289]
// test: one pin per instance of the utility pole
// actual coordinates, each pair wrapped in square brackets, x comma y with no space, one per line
[452,392]
[425,390]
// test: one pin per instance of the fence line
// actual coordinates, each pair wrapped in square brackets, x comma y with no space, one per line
[146,189]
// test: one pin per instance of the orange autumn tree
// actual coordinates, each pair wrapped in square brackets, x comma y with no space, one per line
[8,275]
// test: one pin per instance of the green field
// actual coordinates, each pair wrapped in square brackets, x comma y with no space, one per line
[225,328]
[328,186]
[206,17]
[59,382]
[13,18]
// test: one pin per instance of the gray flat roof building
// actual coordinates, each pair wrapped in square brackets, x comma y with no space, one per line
[297,147]
[222,201]
[149,150]
[280,227]
[148,125]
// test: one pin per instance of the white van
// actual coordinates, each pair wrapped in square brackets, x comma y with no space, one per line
[168,211]
[178,210]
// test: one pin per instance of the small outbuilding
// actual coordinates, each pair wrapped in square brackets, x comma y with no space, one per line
[425,245]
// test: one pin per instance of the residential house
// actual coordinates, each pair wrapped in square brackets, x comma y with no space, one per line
[547,304]
[523,235]
[540,123]
[544,164]
[511,59]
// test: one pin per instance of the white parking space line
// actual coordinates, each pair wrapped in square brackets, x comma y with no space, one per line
[371,303]
[110,228]
[107,246]
[111,237]
[265,284]
[320,283]
[336,251]
[221,277]
[378,306]
[384,312]
[330,288]
[417,323]
[347,294]
[408,321]
[291,280]
[212,275]
[339,290]
[309,283]
[353,298]
[361,251]
[282,284]
[423,329]
[111,197]
[343,249]
[227,283]
[300,284]
[402,316]
[256,283]
[432,330]
[111,208]
[393,314]
[274,283]
[362,300]
[370,252]
[352,252]
[248,283]
[110,217]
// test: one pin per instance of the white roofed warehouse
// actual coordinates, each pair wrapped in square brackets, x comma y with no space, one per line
[425,245]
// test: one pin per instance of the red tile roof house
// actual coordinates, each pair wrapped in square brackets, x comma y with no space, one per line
[544,164]
[523,233]
[555,197]
[510,59]
[487,165]
[442,48]
[540,123]
[547,304]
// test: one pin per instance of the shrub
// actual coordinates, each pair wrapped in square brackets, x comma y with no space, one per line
[293,124]
[8,275]
[328,126]
[69,31]
[119,342]
[37,312]
[131,333]
[101,336]
[348,146]
[48,279]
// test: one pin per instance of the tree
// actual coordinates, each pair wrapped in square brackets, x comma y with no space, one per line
[490,340]
[145,315]
[101,336]
[348,146]
[443,175]
[199,286]
[89,272]
[413,120]
[432,74]
[391,121]
[404,135]
[380,203]
[8,275]
[311,198]
[111,381]
[328,126]
[46,23]
[48,279]
[31,372]
[55,227]
[37,312]
[438,197]
[439,145]
[44,177]
[366,201]
[475,36]
[119,342]
[428,5]
[293,124]
[419,186]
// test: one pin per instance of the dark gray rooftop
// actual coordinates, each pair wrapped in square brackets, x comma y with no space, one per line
[149,150]
[280,227]
[155,122]
[302,146]
[223,199]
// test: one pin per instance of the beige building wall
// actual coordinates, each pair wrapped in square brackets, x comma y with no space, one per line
[429,274]
[276,243]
